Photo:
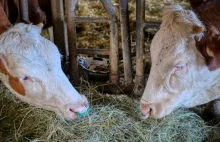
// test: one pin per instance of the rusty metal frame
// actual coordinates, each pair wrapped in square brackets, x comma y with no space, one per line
[90,19]
[152,24]
[140,20]
[114,52]
[72,19]
[24,14]
[92,51]
[126,43]
[59,25]
[70,6]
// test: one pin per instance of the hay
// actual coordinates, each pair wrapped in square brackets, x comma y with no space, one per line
[112,118]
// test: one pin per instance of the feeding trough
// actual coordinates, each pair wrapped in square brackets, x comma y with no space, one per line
[94,69]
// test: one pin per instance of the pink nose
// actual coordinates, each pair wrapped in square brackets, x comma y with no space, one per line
[145,109]
[80,108]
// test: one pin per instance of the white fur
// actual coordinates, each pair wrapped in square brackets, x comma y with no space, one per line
[174,45]
[26,53]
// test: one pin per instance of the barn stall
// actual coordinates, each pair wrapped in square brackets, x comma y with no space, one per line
[113,117]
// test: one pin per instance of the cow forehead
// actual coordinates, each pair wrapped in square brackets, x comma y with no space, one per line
[166,47]
[28,47]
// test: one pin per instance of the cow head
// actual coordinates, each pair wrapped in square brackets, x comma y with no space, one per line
[30,67]
[178,69]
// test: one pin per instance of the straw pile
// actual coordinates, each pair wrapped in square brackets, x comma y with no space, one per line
[112,119]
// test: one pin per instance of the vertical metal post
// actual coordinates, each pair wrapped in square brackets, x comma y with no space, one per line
[58,24]
[126,46]
[140,19]
[23,4]
[114,60]
[70,6]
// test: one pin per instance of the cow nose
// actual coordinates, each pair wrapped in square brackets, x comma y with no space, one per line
[145,109]
[81,108]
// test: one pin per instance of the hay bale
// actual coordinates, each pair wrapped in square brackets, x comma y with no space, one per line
[112,118]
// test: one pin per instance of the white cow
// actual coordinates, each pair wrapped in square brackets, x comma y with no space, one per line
[179,76]
[30,67]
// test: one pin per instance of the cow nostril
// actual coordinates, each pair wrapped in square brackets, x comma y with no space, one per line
[145,109]
[86,105]
[71,110]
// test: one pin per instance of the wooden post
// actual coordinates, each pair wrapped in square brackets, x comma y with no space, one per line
[58,25]
[140,19]
[114,59]
[126,46]
[70,6]
[23,4]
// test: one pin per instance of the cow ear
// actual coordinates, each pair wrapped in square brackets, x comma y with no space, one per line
[197,29]
[3,66]
[170,13]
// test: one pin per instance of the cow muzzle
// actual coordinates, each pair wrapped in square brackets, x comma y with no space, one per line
[146,110]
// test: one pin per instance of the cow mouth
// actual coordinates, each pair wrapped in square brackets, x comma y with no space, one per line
[145,116]
[67,116]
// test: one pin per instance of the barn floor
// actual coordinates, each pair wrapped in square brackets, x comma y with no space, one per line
[113,118]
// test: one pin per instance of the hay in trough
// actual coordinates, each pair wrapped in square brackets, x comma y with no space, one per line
[112,119]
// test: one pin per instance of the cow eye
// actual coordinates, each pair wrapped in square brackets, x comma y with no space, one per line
[25,78]
[179,67]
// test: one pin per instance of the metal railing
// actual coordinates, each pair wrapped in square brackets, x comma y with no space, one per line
[64,29]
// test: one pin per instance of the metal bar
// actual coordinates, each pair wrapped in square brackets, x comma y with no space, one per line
[70,6]
[91,20]
[126,43]
[114,59]
[152,24]
[92,51]
[140,18]
[23,4]
[58,25]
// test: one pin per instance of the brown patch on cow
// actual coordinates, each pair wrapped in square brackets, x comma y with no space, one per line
[37,14]
[209,46]
[13,81]
[197,29]
[4,24]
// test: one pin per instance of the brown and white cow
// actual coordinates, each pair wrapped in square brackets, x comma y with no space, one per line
[179,75]
[30,66]
[209,13]
[209,45]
